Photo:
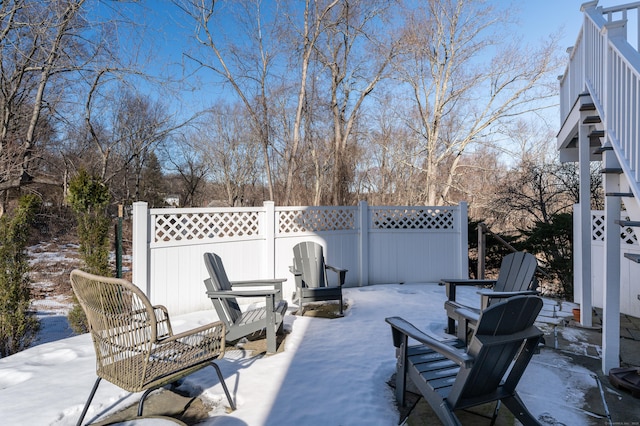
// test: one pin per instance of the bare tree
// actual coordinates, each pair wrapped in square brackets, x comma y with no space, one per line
[385,178]
[313,24]
[188,161]
[123,127]
[245,63]
[228,152]
[140,126]
[460,96]
[39,44]
[355,52]
[536,191]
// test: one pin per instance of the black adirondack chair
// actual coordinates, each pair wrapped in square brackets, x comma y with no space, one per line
[516,277]
[452,378]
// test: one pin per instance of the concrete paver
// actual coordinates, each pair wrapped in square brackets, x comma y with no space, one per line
[605,404]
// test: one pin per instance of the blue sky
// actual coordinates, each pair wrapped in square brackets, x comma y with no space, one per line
[542,17]
[536,20]
[169,31]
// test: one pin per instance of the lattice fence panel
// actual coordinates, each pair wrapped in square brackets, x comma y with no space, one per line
[315,220]
[597,227]
[627,234]
[413,218]
[205,226]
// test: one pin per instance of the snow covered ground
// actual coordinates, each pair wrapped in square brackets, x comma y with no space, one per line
[332,372]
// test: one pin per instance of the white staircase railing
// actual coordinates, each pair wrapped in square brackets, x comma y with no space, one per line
[604,74]
[604,63]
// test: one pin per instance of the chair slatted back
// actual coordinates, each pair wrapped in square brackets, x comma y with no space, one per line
[122,324]
[308,258]
[502,330]
[517,272]
[227,308]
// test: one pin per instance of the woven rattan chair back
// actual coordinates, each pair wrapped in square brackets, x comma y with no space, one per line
[134,342]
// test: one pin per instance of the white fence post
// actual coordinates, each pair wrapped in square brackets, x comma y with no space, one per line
[463,221]
[270,237]
[577,254]
[363,258]
[140,246]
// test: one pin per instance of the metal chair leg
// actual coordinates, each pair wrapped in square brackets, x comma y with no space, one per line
[148,391]
[86,405]
[141,402]
[224,385]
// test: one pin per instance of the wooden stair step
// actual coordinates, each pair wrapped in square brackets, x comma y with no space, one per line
[633,257]
[612,170]
[588,107]
[592,119]
[602,149]
[619,194]
[631,223]
[597,134]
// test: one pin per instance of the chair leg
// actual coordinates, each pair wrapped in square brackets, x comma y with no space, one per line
[86,405]
[462,330]
[451,326]
[141,402]
[272,344]
[495,414]
[224,385]
[220,377]
[519,410]
[401,371]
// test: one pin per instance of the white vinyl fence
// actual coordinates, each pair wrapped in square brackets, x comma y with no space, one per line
[629,270]
[376,244]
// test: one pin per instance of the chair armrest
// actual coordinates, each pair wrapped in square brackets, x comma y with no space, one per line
[229,294]
[467,282]
[342,273]
[486,295]
[161,312]
[294,271]
[450,285]
[163,324]
[276,283]
[195,331]
[402,327]
[468,314]
[297,276]
[255,283]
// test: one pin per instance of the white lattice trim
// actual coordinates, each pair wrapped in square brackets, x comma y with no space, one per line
[597,227]
[191,226]
[315,219]
[627,234]
[413,218]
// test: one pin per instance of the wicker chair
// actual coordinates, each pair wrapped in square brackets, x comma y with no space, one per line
[133,340]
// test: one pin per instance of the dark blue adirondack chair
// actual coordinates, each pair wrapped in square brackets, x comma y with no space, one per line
[516,277]
[453,378]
